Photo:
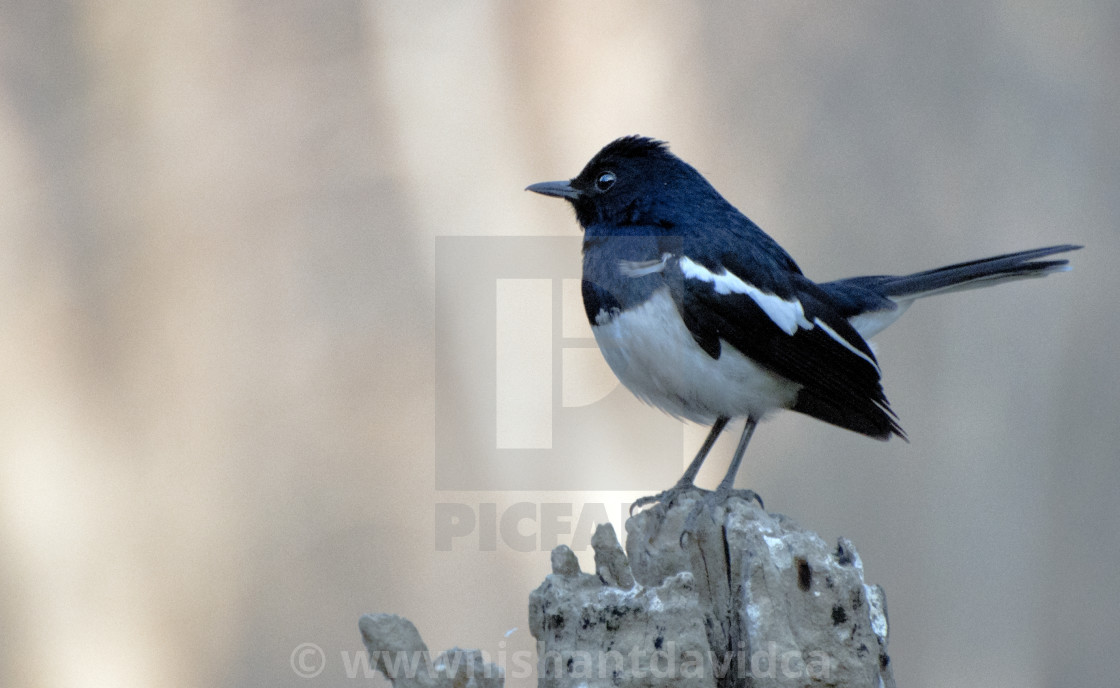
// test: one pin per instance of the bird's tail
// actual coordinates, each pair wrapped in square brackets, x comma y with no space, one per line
[973,274]
[872,303]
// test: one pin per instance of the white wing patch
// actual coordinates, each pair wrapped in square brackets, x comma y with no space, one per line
[787,314]
[847,345]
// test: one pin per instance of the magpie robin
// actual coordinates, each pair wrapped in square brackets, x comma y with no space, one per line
[700,313]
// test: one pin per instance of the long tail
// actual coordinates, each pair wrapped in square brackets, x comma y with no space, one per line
[974,274]
[896,293]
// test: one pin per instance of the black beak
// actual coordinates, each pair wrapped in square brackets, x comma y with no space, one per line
[558,189]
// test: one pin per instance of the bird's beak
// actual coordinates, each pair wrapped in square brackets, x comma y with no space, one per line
[558,189]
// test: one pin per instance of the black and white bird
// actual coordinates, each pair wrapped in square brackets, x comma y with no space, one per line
[703,315]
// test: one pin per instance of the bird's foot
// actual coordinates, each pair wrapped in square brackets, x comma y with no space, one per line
[707,505]
[666,498]
[708,500]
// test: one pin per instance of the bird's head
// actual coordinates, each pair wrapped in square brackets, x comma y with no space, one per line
[634,181]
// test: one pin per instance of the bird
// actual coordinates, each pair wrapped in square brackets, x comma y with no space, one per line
[700,313]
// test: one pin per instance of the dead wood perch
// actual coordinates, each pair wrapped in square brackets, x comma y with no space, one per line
[750,599]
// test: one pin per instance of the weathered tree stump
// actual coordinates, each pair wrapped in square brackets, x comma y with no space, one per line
[746,598]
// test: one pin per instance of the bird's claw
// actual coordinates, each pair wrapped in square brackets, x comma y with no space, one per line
[708,503]
[665,498]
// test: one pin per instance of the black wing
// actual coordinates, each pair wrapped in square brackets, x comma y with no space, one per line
[796,333]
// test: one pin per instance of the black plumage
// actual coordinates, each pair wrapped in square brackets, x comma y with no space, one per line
[657,233]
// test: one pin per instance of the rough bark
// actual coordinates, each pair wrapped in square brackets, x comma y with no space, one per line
[744,598]
[397,651]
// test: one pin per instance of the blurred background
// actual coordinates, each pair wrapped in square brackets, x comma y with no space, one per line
[218,336]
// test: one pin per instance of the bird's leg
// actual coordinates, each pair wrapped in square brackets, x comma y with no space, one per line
[726,486]
[686,481]
[729,479]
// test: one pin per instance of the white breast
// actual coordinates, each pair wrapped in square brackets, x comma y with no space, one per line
[654,355]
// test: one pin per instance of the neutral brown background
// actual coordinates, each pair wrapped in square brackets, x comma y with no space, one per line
[217,235]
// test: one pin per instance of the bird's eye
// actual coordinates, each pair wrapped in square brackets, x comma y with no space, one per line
[605,181]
